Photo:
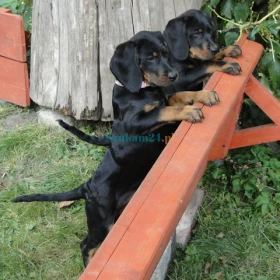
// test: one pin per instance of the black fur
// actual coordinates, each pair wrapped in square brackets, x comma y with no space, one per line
[125,164]
[195,31]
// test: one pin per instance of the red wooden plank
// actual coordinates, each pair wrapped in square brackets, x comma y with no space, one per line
[3,10]
[14,82]
[264,99]
[136,242]
[221,147]
[12,37]
[255,135]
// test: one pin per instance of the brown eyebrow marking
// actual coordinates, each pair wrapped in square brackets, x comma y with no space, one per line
[155,53]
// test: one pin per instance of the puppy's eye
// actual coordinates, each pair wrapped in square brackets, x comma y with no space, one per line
[198,31]
[150,58]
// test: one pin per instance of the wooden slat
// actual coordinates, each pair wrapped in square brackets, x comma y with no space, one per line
[3,10]
[135,244]
[255,135]
[221,147]
[12,36]
[14,83]
[264,99]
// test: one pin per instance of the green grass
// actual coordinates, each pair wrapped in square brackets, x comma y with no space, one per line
[40,240]
[231,241]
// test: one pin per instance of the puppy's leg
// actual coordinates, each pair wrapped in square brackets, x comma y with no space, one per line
[100,217]
[231,51]
[188,113]
[228,67]
[207,97]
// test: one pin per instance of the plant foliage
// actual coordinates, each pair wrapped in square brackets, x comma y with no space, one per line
[20,7]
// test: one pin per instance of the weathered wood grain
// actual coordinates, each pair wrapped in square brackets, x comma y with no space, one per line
[64,63]
[73,42]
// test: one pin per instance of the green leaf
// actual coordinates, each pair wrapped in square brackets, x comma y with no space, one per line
[267,59]
[274,70]
[264,209]
[236,185]
[262,199]
[277,198]
[272,26]
[231,37]
[253,32]
[214,3]
[226,8]
[217,173]
[241,11]
[264,80]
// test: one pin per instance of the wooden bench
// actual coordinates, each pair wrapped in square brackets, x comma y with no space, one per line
[137,241]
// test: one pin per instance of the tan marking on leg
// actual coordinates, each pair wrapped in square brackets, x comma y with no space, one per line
[189,113]
[110,227]
[92,252]
[149,107]
[207,97]
[212,68]
[232,51]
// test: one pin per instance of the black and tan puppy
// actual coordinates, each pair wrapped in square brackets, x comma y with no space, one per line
[142,69]
[192,39]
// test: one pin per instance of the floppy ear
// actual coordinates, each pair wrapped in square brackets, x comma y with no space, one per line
[175,36]
[125,68]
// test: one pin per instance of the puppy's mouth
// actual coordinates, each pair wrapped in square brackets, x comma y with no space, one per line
[161,81]
[201,54]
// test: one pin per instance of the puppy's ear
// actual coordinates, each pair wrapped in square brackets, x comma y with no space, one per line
[175,36]
[125,68]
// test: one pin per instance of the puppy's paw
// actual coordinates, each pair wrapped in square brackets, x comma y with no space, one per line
[231,68]
[234,51]
[207,97]
[192,114]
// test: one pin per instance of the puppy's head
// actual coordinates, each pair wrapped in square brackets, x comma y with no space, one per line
[192,34]
[145,57]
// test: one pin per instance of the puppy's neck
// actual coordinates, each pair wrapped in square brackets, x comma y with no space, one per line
[143,85]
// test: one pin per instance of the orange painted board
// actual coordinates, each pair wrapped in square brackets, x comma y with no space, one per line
[149,226]
[4,10]
[255,135]
[14,82]
[221,147]
[264,99]
[12,37]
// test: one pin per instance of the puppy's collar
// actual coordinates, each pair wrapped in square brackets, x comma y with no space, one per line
[143,85]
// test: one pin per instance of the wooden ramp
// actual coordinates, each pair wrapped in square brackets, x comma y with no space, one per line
[14,81]
[134,246]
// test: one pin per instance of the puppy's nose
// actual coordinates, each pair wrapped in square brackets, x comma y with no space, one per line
[214,49]
[172,76]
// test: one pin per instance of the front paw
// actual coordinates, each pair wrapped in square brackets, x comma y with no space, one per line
[207,97]
[231,68]
[192,114]
[234,51]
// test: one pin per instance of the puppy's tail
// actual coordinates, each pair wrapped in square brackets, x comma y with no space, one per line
[74,194]
[99,141]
